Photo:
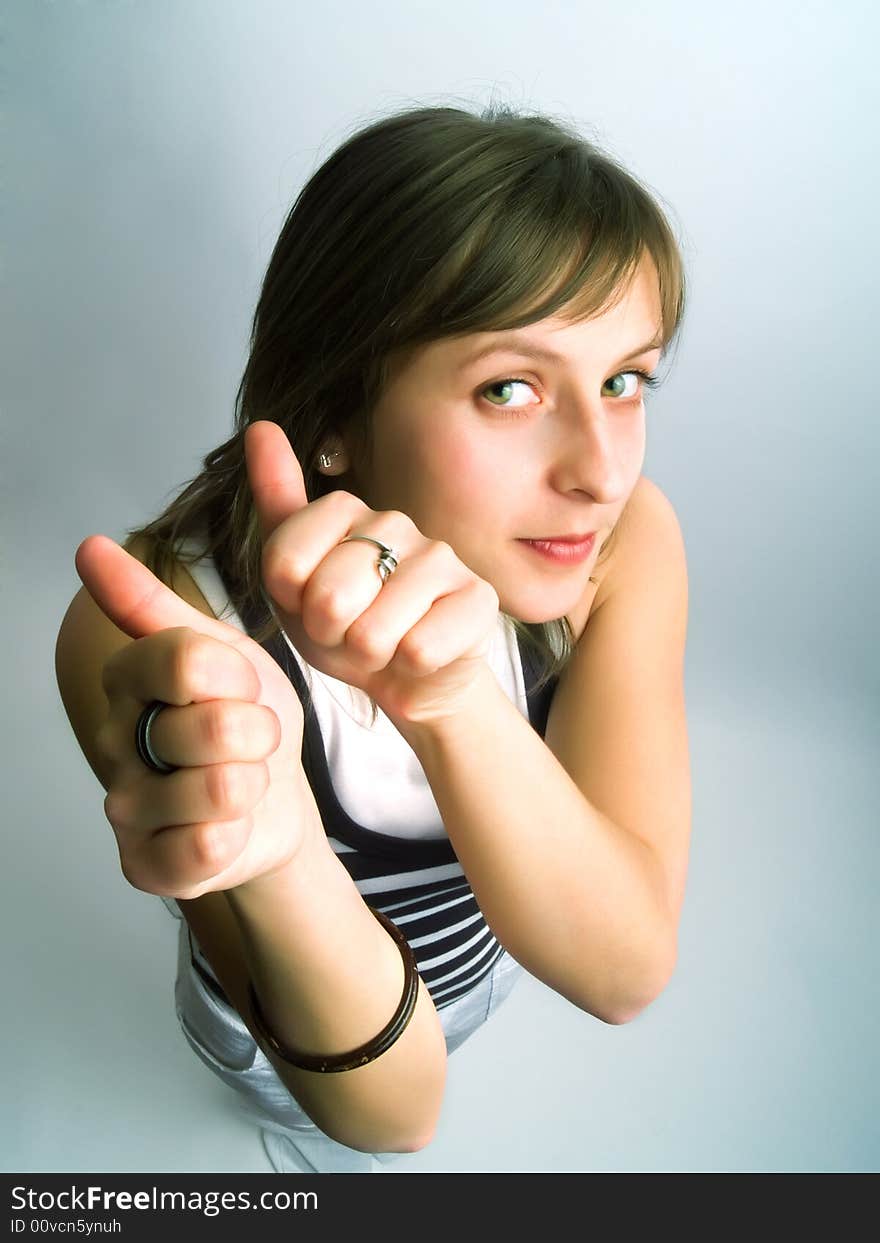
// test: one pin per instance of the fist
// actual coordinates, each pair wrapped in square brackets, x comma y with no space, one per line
[238,805]
[416,643]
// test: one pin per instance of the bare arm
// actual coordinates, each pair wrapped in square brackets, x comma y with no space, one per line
[328,975]
[576,847]
[569,893]
[329,978]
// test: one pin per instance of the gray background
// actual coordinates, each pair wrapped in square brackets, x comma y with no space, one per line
[152,151]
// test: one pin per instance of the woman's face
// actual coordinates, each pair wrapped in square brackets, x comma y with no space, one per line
[488,453]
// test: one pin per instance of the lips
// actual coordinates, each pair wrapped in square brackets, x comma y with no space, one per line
[563,549]
[562,539]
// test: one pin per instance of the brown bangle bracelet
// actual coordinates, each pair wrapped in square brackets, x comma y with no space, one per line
[373,1048]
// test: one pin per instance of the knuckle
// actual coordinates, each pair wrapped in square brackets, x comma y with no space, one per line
[343,508]
[104,741]
[223,729]
[490,596]
[132,871]
[189,657]
[416,654]
[366,640]
[274,732]
[442,552]
[442,548]
[116,810]
[174,658]
[282,565]
[226,789]
[139,870]
[398,526]
[110,674]
[328,602]
[344,503]
[209,846]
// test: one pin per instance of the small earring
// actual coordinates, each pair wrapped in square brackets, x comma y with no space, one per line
[334,462]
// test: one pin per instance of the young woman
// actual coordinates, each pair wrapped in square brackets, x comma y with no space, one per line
[388,703]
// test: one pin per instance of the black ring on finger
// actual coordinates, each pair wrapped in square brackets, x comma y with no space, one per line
[142,739]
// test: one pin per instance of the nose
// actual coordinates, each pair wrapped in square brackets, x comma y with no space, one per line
[592,454]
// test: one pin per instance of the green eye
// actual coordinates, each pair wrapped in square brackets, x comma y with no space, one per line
[504,384]
[618,384]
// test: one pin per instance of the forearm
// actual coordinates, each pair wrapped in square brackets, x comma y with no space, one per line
[572,896]
[328,978]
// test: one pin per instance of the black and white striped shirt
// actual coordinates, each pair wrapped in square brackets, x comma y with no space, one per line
[417,882]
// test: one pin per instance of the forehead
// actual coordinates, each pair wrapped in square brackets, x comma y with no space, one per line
[631,325]
[632,318]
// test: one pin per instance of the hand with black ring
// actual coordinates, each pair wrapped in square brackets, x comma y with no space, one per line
[236,804]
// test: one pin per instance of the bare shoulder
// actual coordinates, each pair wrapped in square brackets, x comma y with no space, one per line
[651,540]
[647,539]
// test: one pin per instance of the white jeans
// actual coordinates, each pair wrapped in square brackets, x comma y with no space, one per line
[293,1142]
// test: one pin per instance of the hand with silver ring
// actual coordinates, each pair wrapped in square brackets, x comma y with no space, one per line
[411,626]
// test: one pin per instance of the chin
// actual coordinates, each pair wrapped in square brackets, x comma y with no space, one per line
[537,612]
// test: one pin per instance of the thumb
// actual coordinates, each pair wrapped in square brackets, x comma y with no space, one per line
[127,592]
[274,474]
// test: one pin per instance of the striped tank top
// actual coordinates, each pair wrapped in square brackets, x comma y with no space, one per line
[407,870]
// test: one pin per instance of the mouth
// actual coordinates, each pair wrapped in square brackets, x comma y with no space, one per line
[563,539]
[563,549]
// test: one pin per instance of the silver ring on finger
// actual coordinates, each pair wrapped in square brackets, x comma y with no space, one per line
[142,739]
[388,559]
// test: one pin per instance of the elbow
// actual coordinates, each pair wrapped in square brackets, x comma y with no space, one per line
[398,1128]
[416,1145]
[374,1144]
[422,1140]
[624,1011]
[616,1018]
[392,1105]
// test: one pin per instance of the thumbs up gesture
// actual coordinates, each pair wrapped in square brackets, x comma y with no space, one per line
[238,804]
[414,639]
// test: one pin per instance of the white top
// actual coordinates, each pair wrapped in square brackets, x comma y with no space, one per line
[375,773]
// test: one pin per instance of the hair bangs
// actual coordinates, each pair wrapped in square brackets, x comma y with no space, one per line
[561,233]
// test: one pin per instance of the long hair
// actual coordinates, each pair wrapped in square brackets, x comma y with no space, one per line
[428,223]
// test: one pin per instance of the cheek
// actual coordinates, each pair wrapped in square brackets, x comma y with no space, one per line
[462,461]
[472,480]
[446,474]
[450,466]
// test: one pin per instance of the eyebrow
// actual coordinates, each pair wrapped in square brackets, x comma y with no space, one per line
[513,342]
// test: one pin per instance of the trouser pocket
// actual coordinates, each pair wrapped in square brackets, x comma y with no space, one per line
[505,974]
[214,1028]
[220,1038]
